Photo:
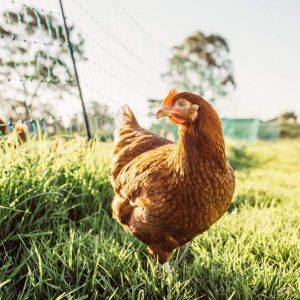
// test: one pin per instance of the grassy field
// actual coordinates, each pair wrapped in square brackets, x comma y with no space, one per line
[58,240]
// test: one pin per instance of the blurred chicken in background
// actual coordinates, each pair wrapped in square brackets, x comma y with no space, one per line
[18,136]
[2,127]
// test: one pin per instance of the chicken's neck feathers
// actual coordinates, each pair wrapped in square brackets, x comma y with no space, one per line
[201,142]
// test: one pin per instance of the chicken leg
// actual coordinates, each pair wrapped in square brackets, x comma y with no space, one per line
[184,253]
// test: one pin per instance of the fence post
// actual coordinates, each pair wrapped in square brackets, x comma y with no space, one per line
[86,121]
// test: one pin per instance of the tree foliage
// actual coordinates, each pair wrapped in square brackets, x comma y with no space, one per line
[35,62]
[201,64]
[100,118]
[288,117]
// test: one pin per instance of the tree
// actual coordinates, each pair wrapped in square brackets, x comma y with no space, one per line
[288,117]
[101,114]
[201,64]
[35,62]
[101,120]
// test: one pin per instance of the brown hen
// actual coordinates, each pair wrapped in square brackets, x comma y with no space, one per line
[166,193]
[2,128]
[18,136]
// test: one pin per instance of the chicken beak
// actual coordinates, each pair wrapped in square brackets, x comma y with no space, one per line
[162,112]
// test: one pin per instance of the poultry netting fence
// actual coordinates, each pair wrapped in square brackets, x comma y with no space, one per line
[118,61]
[114,55]
[250,129]
[247,130]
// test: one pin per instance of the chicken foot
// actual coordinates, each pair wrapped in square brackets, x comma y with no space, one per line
[166,267]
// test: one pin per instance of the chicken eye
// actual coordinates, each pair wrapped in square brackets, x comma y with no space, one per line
[181,103]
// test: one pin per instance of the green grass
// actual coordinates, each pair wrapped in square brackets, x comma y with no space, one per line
[58,240]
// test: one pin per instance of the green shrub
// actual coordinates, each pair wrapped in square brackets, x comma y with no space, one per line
[290,131]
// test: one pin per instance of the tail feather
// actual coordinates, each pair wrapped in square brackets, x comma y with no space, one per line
[125,115]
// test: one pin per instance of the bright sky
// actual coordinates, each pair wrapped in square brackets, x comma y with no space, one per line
[124,64]
[264,38]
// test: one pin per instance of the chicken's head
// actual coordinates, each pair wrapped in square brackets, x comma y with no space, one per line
[178,109]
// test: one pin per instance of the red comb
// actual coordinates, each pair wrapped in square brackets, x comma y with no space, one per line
[169,98]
